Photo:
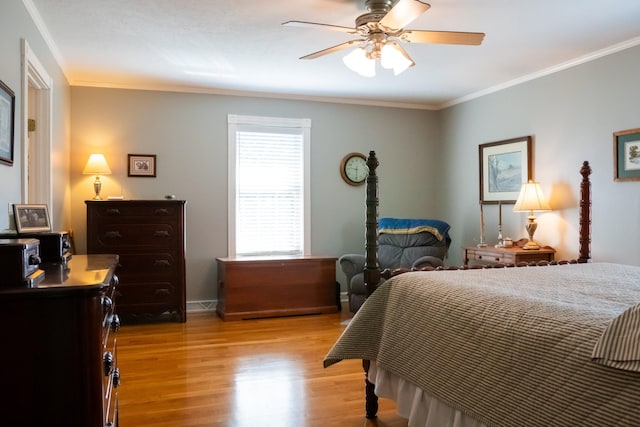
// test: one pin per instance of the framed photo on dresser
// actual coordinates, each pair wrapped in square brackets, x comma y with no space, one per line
[31,218]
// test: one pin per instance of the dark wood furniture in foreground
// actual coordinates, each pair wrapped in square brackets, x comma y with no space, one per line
[149,237]
[58,347]
[505,256]
[372,273]
[253,287]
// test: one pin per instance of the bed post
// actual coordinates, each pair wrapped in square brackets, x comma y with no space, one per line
[371,267]
[585,213]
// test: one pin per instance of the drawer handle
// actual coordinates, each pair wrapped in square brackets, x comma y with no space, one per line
[479,256]
[34,259]
[115,280]
[106,304]
[116,377]
[162,292]
[497,258]
[161,233]
[108,363]
[115,323]
[161,263]
[113,235]
[113,211]
[162,211]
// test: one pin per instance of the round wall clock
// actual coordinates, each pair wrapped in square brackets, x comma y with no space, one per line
[353,168]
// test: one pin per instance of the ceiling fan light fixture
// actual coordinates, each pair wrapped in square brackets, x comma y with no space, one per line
[360,62]
[394,57]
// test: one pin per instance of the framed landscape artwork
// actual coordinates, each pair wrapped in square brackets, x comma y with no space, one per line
[504,167]
[626,155]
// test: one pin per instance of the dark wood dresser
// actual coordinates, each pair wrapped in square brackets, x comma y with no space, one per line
[149,237]
[59,347]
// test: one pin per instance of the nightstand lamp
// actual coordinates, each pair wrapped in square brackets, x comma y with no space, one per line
[530,200]
[97,165]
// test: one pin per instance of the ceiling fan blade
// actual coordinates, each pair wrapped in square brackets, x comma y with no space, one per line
[441,37]
[403,13]
[321,26]
[332,49]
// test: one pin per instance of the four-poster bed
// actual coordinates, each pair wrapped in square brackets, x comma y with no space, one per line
[536,346]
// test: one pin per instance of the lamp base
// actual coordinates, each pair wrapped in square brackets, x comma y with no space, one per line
[97,186]
[531,246]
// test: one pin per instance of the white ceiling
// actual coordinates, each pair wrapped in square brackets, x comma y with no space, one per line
[240,46]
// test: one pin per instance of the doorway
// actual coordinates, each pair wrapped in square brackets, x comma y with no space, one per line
[36,125]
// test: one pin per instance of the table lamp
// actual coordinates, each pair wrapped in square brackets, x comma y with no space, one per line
[97,165]
[530,200]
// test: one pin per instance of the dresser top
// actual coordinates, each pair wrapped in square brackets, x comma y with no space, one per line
[81,273]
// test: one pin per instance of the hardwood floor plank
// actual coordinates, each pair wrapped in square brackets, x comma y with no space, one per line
[250,373]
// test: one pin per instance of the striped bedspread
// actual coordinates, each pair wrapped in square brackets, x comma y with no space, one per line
[513,346]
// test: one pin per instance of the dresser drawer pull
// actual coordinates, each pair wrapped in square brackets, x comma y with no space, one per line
[162,211]
[108,363]
[161,233]
[162,292]
[113,235]
[107,303]
[116,377]
[113,211]
[115,323]
[115,280]
[161,263]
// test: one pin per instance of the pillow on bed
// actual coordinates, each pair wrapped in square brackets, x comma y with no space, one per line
[619,345]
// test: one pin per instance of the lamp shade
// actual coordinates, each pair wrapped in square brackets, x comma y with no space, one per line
[531,199]
[96,165]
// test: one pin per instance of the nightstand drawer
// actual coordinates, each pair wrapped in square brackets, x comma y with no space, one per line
[487,256]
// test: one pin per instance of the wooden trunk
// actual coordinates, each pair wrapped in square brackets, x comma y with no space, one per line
[268,287]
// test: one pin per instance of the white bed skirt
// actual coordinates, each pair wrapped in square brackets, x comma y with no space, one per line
[414,404]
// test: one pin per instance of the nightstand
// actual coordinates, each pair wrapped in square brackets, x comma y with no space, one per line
[513,255]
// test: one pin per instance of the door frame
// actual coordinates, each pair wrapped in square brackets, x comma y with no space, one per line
[37,88]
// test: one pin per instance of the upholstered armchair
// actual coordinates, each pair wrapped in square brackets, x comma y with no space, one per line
[402,243]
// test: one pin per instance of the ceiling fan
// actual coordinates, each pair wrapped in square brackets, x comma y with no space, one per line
[381,28]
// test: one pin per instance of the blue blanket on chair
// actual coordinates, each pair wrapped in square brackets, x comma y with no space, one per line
[438,228]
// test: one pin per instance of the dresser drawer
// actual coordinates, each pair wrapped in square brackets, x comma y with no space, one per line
[122,237]
[146,293]
[126,213]
[148,265]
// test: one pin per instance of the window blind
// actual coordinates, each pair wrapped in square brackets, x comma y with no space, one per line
[270,189]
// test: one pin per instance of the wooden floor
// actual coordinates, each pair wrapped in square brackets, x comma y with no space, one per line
[250,373]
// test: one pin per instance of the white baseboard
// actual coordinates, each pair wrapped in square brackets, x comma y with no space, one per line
[210,305]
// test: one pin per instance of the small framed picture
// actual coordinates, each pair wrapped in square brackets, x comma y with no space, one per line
[143,165]
[31,218]
[7,120]
[504,167]
[626,155]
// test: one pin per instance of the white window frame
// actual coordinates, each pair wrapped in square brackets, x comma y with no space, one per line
[233,122]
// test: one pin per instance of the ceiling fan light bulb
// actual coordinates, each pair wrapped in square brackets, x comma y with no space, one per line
[358,61]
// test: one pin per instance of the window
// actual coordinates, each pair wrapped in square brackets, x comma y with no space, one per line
[268,186]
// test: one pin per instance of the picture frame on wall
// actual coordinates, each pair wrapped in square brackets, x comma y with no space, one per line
[31,218]
[142,165]
[626,155]
[7,120]
[504,167]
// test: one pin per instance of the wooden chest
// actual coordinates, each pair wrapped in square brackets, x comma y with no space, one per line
[148,235]
[266,287]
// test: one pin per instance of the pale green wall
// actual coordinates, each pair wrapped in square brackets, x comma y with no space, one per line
[188,133]
[15,25]
[572,116]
